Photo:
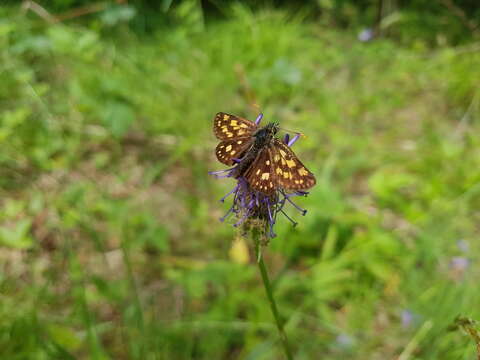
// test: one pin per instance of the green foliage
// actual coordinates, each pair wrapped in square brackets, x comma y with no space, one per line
[110,241]
[419,23]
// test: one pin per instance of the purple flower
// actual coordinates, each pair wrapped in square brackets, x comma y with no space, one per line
[254,209]
[463,245]
[345,341]
[366,35]
[459,263]
[407,318]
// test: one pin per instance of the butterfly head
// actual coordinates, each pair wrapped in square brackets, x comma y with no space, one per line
[272,128]
[266,133]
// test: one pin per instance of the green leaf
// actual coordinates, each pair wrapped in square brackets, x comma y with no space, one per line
[17,235]
[64,336]
[118,117]
[117,14]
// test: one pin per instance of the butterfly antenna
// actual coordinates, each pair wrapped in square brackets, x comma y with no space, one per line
[256,107]
[294,132]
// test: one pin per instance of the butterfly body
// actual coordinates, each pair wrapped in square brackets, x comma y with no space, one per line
[262,138]
[262,159]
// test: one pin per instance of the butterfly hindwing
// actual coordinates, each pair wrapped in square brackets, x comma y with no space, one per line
[227,127]
[259,175]
[227,150]
[288,170]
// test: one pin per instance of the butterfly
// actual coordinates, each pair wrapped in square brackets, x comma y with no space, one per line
[266,162]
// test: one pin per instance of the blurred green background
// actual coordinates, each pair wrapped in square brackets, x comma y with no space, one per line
[111,246]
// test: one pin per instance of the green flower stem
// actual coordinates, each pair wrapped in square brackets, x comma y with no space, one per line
[273,305]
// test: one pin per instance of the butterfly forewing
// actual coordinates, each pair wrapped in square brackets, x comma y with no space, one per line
[260,175]
[231,149]
[289,172]
[227,127]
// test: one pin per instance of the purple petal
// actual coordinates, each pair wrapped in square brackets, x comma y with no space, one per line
[258,119]
[289,218]
[286,138]
[219,171]
[228,194]
[271,233]
[242,220]
[303,211]
[227,172]
[270,213]
[222,219]
[294,139]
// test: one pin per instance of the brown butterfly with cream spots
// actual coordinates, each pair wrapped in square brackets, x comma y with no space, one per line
[267,163]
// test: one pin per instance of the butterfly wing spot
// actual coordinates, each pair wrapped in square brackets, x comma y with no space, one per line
[291,164]
[258,172]
[283,153]
[279,171]
[241,132]
[226,116]
[229,134]
[267,162]
[265,176]
[232,152]
[276,158]
[228,148]
[302,171]
[239,142]
[234,123]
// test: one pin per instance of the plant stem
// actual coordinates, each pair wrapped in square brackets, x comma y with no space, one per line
[273,305]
